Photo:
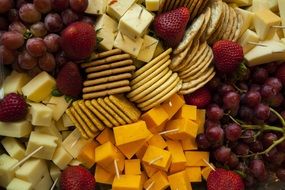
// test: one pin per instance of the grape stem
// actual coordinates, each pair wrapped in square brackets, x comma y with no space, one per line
[279,116]
[263,128]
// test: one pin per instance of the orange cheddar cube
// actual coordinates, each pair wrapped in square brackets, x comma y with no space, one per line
[196,158]
[206,171]
[105,136]
[87,154]
[172,105]
[133,167]
[158,141]
[158,181]
[129,133]
[157,157]
[186,128]
[201,114]
[155,119]
[194,174]
[130,149]
[144,177]
[178,162]
[106,154]
[179,181]
[127,182]
[141,151]
[102,176]
[189,144]
[149,170]
[186,112]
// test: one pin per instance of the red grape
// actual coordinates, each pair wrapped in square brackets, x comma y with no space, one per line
[3,23]
[202,141]
[215,134]
[233,131]
[248,136]
[36,47]
[18,27]
[60,5]
[19,3]
[256,146]
[262,112]
[13,15]
[7,55]
[226,88]
[233,161]
[267,91]
[5,5]
[44,6]
[242,149]
[29,14]
[268,139]
[222,154]
[252,98]
[281,174]
[257,168]
[53,22]
[259,75]
[38,29]
[12,40]
[276,100]
[26,61]
[78,5]
[52,42]
[47,62]
[214,112]
[231,100]
[275,83]
[68,16]
[246,113]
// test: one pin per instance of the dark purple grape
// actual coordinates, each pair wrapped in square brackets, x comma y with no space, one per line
[246,113]
[17,26]
[276,100]
[52,42]
[226,88]
[222,154]
[233,161]
[6,5]
[88,20]
[12,40]
[19,3]
[262,112]
[60,59]
[231,100]
[215,134]
[202,141]
[60,5]
[257,168]
[36,47]
[275,83]
[26,61]
[256,147]
[47,62]
[248,136]
[34,71]
[281,147]
[278,158]
[29,14]
[209,124]
[214,112]
[53,22]
[78,5]
[214,83]
[242,149]
[270,67]
[259,75]
[255,87]
[268,139]
[233,131]
[7,55]
[3,23]
[267,91]
[268,157]
[38,29]
[43,6]
[13,15]
[68,16]
[250,181]
[281,174]
[251,99]
[243,86]
[272,118]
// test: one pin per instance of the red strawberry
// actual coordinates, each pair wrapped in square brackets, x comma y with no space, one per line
[78,40]
[69,80]
[201,98]
[280,74]
[222,179]
[227,56]
[170,26]
[13,107]
[76,178]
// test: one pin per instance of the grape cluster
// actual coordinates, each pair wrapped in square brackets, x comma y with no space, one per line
[30,32]
[245,127]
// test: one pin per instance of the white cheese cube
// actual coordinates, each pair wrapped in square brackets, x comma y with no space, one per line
[263,22]
[50,130]
[282,40]
[39,87]
[58,106]
[247,19]
[14,148]
[61,157]
[15,81]
[74,143]
[65,134]
[106,28]
[59,125]
[135,22]
[15,129]
[54,171]
[45,183]
[281,5]
[19,184]
[148,48]
[96,7]
[259,5]
[128,45]
[247,37]
[48,142]
[152,5]
[118,8]
[273,51]
[7,172]
[41,114]
[32,170]
[67,121]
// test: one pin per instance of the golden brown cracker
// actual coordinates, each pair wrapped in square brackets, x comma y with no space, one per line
[103,93]
[111,72]
[109,66]
[107,79]
[77,125]
[106,86]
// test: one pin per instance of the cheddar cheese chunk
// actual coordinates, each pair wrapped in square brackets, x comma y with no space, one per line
[194,174]
[186,128]
[127,182]
[158,141]
[155,119]
[157,181]
[196,158]
[189,144]
[179,181]
[87,154]
[133,167]
[102,176]
[200,120]
[172,105]
[186,112]
[105,136]
[178,162]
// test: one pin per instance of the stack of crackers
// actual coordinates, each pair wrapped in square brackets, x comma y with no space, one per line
[108,74]
[92,116]
[153,83]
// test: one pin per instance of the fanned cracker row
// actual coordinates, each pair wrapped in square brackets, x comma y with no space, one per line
[108,74]
[92,116]
[154,82]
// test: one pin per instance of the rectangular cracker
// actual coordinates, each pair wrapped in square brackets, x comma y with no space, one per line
[111,72]
[77,125]
[109,66]
[103,93]
[106,86]
[107,79]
